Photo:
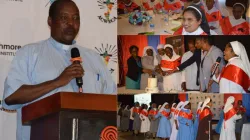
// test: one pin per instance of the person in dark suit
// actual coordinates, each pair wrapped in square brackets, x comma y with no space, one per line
[135,69]
[195,58]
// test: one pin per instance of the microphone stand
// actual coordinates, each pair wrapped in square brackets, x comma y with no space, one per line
[209,138]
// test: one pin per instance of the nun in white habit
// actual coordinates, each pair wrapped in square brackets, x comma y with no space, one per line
[160,54]
[229,122]
[176,123]
[149,62]
[169,62]
[172,112]
[235,76]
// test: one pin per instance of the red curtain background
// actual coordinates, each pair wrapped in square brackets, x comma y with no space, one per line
[124,42]
[183,97]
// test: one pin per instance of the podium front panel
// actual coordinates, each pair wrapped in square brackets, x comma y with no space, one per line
[85,125]
[73,125]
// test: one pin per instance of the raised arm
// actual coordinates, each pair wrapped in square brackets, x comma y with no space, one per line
[190,61]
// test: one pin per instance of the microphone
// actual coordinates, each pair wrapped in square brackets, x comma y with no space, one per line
[217,63]
[75,55]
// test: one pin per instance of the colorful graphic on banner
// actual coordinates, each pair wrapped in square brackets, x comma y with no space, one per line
[109,53]
[107,6]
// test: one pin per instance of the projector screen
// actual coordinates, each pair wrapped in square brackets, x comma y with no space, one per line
[143,98]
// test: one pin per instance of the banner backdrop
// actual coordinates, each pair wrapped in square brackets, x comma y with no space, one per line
[217,99]
[25,21]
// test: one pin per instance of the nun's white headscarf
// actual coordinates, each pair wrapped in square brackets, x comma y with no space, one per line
[229,104]
[178,107]
[207,100]
[173,104]
[184,104]
[154,53]
[159,106]
[240,50]
[146,48]
[163,106]
[160,46]
[126,108]
[199,106]
[170,46]
[216,5]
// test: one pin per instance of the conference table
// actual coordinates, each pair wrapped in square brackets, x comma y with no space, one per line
[245,133]
[164,25]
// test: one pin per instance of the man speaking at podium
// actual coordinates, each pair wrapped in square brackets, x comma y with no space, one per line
[44,68]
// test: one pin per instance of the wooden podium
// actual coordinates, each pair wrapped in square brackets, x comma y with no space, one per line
[72,116]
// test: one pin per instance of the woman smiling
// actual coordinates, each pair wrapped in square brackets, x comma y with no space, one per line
[194,22]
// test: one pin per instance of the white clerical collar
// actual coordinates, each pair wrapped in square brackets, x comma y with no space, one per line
[61,45]
[231,59]
[66,47]
[208,106]
[155,108]
[199,31]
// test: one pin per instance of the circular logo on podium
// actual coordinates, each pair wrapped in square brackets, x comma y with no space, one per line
[109,133]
